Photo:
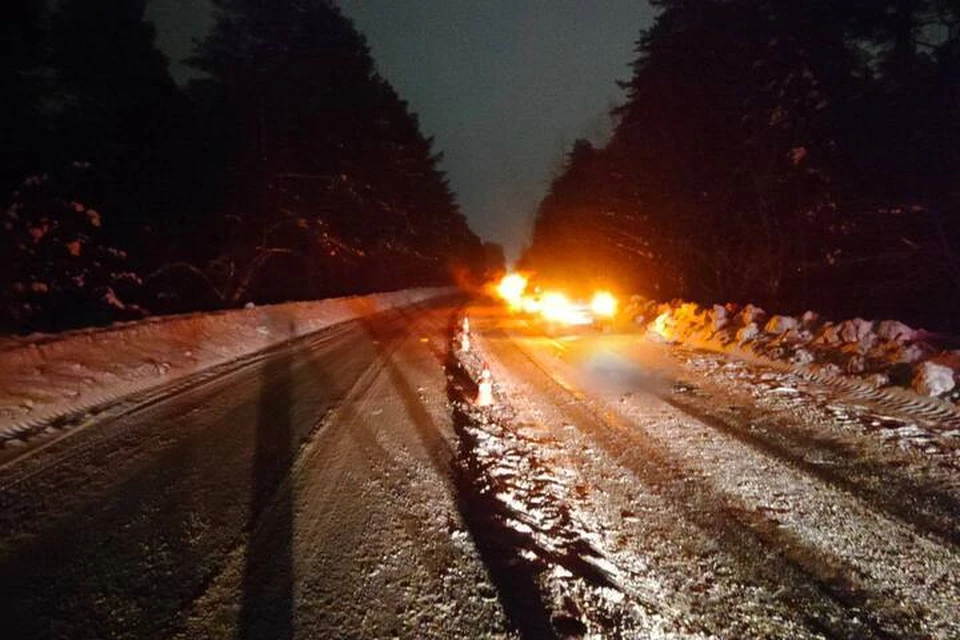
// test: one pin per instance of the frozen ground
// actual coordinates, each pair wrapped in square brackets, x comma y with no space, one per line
[346,484]
[306,493]
[718,498]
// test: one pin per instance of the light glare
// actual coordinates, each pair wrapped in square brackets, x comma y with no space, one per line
[511,289]
[604,304]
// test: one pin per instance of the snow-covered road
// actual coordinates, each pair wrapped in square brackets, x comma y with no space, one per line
[305,493]
[344,485]
[723,499]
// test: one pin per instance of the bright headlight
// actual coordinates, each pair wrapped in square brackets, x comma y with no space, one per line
[604,304]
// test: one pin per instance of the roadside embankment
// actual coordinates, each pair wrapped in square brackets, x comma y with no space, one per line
[43,377]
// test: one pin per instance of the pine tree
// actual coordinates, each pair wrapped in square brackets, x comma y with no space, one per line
[59,271]
[113,81]
[326,165]
[22,84]
[117,110]
[766,151]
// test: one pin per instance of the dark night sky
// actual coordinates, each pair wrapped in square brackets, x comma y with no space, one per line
[503,85]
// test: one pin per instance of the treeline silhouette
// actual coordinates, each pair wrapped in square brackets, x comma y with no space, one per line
[289,170]
[794,153]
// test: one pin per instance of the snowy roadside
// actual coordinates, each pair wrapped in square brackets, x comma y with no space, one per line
[44,377]
[885,354]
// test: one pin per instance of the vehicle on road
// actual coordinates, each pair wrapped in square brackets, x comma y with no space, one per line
[554,308]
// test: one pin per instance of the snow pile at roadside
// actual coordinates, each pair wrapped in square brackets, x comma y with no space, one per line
[45,376]
[880,353]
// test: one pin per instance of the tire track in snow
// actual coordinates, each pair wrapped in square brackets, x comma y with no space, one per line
[765,594]
[820,434]
[878,583]
[372,495]
[810,580]
[554,575]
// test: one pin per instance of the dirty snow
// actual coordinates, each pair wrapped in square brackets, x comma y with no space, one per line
[881,353]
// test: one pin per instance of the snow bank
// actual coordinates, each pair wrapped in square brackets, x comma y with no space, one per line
[879,353]
[43,377]
[933,379]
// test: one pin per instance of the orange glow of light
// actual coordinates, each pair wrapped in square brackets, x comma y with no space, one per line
[604,304]
[529,304]
[511,289]
[556,307]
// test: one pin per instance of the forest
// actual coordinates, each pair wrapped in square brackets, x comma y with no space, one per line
[795,154]
[288,170]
